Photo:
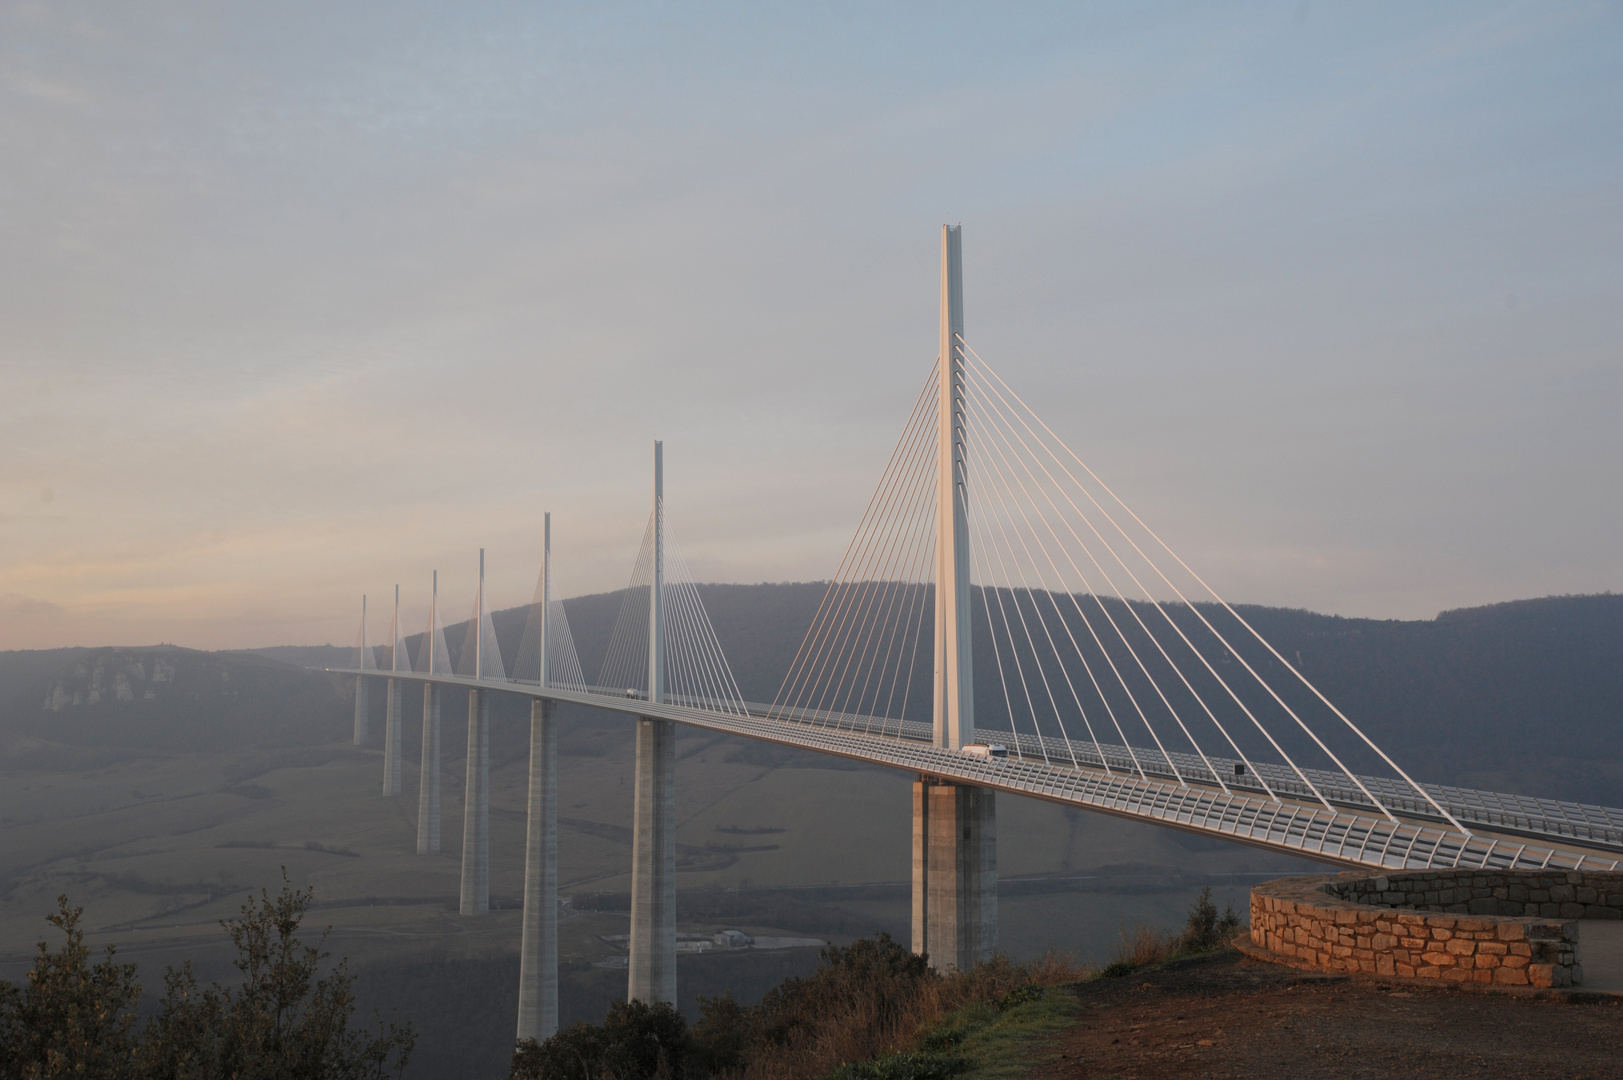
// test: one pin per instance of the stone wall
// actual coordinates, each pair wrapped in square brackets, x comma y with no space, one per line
[1327,923]
[1548,894]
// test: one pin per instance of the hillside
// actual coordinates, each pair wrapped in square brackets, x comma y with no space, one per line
[1524,697]
[155,785]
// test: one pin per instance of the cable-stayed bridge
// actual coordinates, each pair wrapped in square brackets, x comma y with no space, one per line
[1000,622]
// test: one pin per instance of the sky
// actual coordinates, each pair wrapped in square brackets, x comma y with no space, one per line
[303,301]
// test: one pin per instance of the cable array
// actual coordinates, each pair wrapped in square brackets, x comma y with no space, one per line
[1088,649]
[867,658]
[696,672]
[563,663]
[481,656]
[432,654]
[365,657]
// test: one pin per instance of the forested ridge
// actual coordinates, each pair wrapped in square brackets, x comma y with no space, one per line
[1525,696]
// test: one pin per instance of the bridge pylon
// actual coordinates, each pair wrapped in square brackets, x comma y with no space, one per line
[428,776]
[954,825]
[360,682]
[391,722]
[538,949]
[652,962]
[476,791]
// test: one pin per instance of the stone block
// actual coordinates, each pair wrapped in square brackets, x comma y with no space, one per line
[1383,942]
[1487,960]
[1576,972]
[1492,948]
[1510,977]
[1541,975]
[1460,947]
[1572,910]
[1439,959]
[1385,965]
[1585,895]
[1514,961]
[1511,931]
[1428,973]
[1456,975]
[1439,933]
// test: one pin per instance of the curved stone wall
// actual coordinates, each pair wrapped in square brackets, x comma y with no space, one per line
[1494,927]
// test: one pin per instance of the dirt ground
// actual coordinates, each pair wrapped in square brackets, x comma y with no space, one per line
[1229,1016]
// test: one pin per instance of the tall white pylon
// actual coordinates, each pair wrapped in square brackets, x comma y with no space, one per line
[656,587]
[538,951]
[954,680]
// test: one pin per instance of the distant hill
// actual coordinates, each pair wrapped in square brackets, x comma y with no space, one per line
[1524,696]
[61,705]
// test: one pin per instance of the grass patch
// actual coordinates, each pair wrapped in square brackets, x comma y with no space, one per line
[1001,1037]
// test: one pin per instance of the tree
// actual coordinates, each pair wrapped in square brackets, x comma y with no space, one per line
[286,1022]
[72,1018]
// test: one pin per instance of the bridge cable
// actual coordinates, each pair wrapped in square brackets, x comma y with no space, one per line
[1263,683]
[832,595]
[975,409]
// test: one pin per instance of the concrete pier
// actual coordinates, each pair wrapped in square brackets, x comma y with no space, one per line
[428,776]
[391,739]
[476,809]
[538,952]
[653,866]
[954,873]
[360,710]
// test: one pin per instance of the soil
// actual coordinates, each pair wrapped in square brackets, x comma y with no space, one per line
[1226,1015]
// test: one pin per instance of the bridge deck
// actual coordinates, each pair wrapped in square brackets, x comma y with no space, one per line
[1508,831]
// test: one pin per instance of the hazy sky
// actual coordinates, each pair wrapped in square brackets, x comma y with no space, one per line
[303,300]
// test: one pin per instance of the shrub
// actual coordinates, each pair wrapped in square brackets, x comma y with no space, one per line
[636,1041]
[1206,929]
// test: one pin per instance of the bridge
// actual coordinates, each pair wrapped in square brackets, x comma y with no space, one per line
[1001,622]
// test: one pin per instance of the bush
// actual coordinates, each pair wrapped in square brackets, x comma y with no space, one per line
[634,1042]
[72,1018]
[1206,929]
[287,1019]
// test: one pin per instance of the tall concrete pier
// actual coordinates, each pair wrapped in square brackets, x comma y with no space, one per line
[653,865]
[360,683]
[428,774]
[360,710]
[538,950]
[954,873]
[653,841]
[391,739]
[476,809]
[954,825]
[476,793]
[428,782]
[391,722]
